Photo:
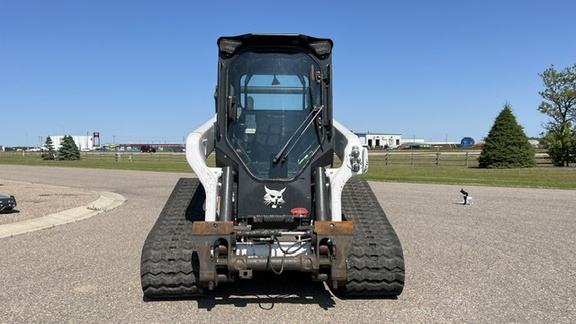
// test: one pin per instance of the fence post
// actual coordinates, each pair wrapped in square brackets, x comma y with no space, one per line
[386,158]
[466,159]
[412,158]
[437,158]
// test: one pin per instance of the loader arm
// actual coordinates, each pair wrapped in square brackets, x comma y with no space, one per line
[199,145]
[354,159]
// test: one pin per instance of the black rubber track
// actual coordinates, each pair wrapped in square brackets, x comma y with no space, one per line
[167,256]
[375,261]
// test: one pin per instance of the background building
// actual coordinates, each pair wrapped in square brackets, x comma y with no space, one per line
[84,142]
[380,140]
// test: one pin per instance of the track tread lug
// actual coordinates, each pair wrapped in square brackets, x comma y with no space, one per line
[166,269]
[375,260]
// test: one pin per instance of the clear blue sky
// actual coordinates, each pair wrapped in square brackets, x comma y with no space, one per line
[145,71]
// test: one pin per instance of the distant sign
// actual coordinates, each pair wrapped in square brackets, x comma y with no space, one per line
[96,139]
[467,142]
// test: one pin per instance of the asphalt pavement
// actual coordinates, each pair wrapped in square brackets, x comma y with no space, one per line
[508,258]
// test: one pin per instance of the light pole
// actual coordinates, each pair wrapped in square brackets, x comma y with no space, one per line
[25,132]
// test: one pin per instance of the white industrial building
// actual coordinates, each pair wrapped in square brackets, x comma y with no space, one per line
[380,140]
[84,142]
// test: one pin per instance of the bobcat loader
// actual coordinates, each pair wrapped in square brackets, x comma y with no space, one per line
[274,201]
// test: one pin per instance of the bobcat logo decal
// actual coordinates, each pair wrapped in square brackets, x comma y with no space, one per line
[274,198]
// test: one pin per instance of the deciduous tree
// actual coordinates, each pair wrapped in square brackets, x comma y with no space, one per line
[560,105]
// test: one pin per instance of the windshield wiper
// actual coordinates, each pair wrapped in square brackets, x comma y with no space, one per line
[306,122]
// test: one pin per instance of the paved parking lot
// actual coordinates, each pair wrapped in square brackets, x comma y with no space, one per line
[508,258]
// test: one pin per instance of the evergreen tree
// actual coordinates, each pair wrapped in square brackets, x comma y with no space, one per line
[49,145]
[68,149]
[506,145]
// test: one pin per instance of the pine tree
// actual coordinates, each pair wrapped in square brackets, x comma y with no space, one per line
[68,149]
[49,145]
[506,145]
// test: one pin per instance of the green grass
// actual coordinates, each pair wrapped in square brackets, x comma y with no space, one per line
[167,162]
[540,177]
[426,171]
[557,178]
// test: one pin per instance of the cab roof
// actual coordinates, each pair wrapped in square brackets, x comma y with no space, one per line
[231,44]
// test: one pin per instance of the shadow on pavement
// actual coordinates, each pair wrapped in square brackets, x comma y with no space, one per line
[266,289]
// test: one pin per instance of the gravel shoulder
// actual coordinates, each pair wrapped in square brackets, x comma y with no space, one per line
[37,200]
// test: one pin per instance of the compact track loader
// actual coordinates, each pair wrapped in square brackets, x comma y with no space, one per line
[274,201]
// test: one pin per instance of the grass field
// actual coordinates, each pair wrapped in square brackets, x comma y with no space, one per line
[167,162]
[539,177]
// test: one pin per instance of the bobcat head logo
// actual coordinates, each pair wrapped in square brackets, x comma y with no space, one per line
[274,197]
